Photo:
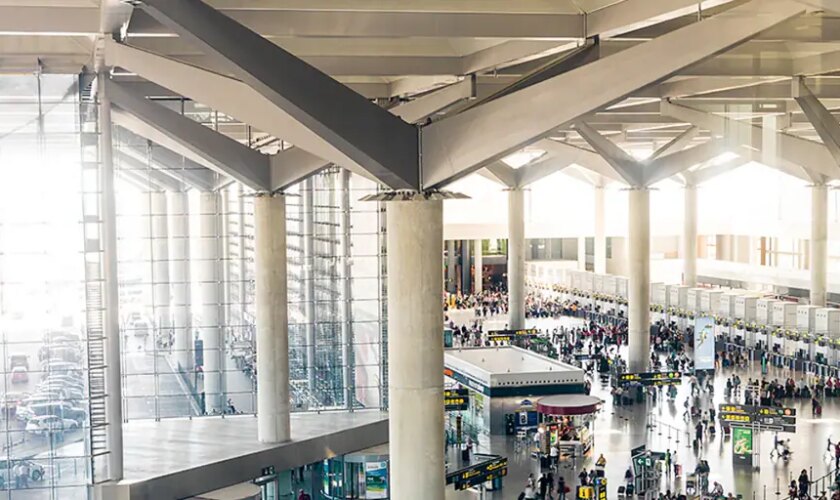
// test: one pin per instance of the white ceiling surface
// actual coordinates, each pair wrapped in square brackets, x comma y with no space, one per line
[496,40]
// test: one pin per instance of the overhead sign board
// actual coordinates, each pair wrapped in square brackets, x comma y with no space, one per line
[651,378]
[510,335]
[456,399]
[479,473]
[771,418]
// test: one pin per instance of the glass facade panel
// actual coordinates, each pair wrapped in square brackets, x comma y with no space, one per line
[44,424]
[203,363]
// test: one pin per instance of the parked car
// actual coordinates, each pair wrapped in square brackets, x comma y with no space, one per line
[64,381]
[67,352]
[17,359]
[56,337]
[63,368]
[24,410]
[20,375]
[61,409]
[61,392]
[10,403]
[7,472]
[50,424]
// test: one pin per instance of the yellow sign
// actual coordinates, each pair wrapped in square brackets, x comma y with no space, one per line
[728,417]
[585,492]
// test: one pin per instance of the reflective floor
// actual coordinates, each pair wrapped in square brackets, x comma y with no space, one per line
[618,430]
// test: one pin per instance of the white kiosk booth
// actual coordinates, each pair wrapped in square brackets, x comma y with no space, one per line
[504,380]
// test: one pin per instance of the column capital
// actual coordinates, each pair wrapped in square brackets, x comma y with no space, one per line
[412,195]
[268,194]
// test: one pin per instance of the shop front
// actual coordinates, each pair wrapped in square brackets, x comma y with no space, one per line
[360,475]
[567,422]
[503,402]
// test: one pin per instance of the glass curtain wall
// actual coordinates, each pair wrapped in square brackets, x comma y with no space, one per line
[43,336]
[336,297]
[186,242]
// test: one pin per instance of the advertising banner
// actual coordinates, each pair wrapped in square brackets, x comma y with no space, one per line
[704,343]
[376,480]
[742,442]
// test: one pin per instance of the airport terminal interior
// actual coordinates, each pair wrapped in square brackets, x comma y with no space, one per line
[419,249]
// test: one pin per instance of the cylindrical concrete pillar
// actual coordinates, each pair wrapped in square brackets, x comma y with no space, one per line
[466,266]
[478,281]
[819,244]
[272,319]
[207,278]
[639,292]
[451,259]
[179,274]
[581,253]
[415,350]
[600,231]
[161,293]
[689,242]
[516,258]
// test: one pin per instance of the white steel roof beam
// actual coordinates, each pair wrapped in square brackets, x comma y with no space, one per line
[424,106]
[365,134]
[678,143]
[218,151]
[823,121]
[812,156]
[539,170]
[709,172]
[224,94]
[627,167]
[501,172]
[667,166]
[294,164]
[628,15]
[178,167]
[463,143]
[585,158]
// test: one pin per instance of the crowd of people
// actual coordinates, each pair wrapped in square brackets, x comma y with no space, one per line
[601,337]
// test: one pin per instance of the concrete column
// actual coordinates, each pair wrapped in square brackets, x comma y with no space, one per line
[207,278]
[516,258]
[819,243]
[272,319]
[478,281]
[466,286]
[639,299]
[160,261]
[179,275]
[581,253]
[600,231]
[111,330]
[451,280]
[415,350]
[689,242]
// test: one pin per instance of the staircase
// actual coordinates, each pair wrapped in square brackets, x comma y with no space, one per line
[94,285]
